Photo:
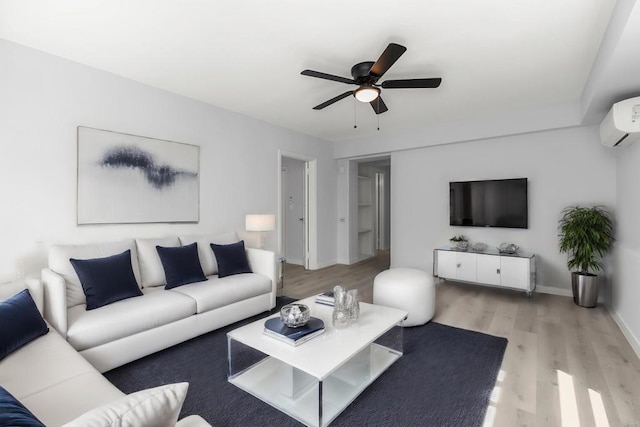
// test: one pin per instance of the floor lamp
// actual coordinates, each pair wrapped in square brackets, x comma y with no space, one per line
[260,223]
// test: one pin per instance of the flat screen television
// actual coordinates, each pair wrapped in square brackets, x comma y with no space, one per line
[494,203]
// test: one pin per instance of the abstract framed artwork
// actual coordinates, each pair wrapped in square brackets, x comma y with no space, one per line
[124,179]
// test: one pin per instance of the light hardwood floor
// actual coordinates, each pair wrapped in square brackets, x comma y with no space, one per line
[564,365]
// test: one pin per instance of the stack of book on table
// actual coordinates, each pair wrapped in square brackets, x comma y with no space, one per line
[276,328]
[326,299]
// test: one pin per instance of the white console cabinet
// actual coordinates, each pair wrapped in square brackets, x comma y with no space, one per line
[516,271]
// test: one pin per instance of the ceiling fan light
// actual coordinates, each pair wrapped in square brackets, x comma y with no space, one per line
[366,93]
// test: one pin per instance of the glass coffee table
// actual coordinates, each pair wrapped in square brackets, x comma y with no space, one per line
[317,380]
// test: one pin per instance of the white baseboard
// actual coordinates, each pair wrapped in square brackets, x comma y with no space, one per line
[320,264]
[349,261]
[553,291]
[326,264]
[631,338]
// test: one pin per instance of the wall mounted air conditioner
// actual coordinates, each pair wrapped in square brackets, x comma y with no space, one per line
[621,126]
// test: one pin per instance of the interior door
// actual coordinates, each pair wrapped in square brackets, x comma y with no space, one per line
[294,211]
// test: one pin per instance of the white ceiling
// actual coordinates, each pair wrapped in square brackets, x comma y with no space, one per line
[246,55]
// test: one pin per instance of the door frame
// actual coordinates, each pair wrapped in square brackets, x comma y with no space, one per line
[311,213]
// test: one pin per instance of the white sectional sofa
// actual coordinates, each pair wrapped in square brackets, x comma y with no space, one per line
[126,330]
[54,382]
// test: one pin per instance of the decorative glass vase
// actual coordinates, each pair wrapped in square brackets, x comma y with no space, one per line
[341,317]
[353,305]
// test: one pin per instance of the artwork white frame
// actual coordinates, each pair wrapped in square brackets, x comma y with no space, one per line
[127,179]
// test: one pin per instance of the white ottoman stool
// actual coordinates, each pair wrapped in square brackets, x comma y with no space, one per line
[408,289]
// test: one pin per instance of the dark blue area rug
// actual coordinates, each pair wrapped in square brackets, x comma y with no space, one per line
[445,378]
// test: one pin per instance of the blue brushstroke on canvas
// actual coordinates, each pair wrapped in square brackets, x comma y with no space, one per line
[159,176]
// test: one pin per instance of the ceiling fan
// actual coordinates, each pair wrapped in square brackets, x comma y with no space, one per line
[366,76]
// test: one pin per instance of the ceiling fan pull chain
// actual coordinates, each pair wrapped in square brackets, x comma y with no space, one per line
[355,116]
[378,115]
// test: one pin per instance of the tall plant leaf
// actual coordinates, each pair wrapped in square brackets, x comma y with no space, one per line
[586,235]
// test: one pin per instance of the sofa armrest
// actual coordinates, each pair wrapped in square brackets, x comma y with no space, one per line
[264,262]
[55,300]
[37,293]
[193,421]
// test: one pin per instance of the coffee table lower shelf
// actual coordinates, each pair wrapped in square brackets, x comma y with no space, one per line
[312,401]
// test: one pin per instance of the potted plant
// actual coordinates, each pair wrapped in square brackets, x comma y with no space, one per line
[459,242]
[586,234]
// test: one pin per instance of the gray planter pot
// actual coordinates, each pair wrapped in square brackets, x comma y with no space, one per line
[585,289]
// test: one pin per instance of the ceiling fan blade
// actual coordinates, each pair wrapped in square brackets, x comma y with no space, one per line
[378,105]
[412,83]
[332,100]
[326,76]
[387,59]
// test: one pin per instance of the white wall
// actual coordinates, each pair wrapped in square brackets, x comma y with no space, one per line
[615,73]
[625,295]
[293,210]
[564,167]
[44,98]
[514,122]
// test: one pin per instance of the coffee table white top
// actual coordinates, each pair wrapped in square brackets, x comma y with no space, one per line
[323,354]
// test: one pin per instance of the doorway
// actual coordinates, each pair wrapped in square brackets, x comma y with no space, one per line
[294,211]
[297,215]
[374,207]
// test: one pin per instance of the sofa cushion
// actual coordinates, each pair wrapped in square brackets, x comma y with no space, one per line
[59,384]
[232,259]
[155,308]
[217,292]
[13,413]
[72,397]
[151,270]
[59,257]
[155,407]
[181,265]
[20,321]
[106,280]
[207,257]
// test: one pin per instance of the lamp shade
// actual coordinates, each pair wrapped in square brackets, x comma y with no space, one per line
[260,222]
[366,93]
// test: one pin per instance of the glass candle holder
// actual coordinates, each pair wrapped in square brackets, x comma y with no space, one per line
[295,315]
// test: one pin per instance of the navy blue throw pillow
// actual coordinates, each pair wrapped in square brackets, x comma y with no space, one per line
[21,323]
[13,413]
[181,265]
[106,280]
[232,259]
